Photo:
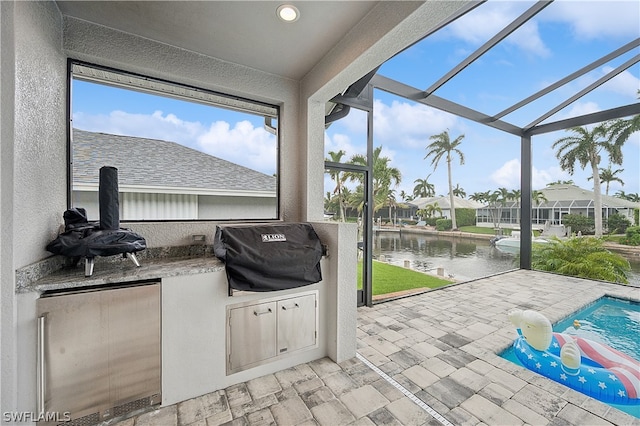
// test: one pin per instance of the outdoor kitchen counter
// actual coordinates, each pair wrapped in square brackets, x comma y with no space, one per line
[51,274]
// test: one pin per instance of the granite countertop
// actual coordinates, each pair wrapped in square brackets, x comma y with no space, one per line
[55,273]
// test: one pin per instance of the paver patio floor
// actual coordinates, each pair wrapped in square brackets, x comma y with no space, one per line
[436,359]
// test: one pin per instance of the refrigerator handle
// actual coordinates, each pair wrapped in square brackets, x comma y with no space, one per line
[40,372]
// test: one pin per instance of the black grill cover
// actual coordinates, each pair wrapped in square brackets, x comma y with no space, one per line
[269,257]
[90,242]
[82,238]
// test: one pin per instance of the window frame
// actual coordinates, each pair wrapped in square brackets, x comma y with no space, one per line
[205,96]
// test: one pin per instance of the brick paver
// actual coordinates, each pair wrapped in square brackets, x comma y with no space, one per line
[442,346]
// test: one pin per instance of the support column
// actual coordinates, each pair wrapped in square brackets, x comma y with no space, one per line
[526,202]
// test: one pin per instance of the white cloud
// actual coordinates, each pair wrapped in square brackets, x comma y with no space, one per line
[354,122]
[508,175]
[409,125]
[481,24]
[153,126]
[340,141]
[597,19]
[625,83]
[527,37]
[242,144]
[579,108]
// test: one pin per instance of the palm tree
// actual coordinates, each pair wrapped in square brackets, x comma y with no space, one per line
[585,147]
[607,175]
[620,194]
[515,195]
[480,197]
[404,196]
[621,130]
[391,201]
[459,192]
[443,146]
[330,204]
[498,199]
[562,182]
[634,198]
[430,209]
[538,197]
[423,189]
[383,176]
[339,178]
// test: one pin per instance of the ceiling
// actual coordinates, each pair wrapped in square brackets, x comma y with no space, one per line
[242,32]
[249,33]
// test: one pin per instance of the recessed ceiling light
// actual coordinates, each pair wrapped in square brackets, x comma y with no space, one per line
[288,13]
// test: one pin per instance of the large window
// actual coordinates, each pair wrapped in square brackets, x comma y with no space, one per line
[182,153]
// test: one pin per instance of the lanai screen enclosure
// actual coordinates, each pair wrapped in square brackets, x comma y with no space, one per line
[522,119]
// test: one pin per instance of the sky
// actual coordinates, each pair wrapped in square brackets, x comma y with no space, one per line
[234,136]
[561,39]
[564,37]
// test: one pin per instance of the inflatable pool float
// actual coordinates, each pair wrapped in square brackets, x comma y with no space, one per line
[589,367]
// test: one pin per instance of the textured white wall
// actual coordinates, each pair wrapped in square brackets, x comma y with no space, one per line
[8,376]
[40,129]
[33,181]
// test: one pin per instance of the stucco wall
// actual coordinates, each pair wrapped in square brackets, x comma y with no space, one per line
[33,158]
[40,129]
[7,298]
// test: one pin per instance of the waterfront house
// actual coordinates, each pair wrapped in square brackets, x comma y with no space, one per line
[561,199]
[444,204]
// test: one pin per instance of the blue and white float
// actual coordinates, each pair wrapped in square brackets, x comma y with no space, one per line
[589,367]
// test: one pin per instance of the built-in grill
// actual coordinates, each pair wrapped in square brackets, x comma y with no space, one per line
[82,238]
[269,257]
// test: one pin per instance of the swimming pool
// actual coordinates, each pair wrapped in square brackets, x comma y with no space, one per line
[610,321]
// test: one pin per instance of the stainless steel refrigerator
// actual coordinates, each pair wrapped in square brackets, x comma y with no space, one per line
[99,353]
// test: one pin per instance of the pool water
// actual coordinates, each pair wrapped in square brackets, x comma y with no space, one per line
[611,321]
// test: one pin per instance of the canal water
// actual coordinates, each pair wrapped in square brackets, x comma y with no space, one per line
[462,258]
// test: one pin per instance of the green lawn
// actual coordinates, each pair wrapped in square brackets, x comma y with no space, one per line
[390,279]
[479,230]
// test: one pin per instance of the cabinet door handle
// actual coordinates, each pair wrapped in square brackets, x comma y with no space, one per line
[295,305]
[256,313]
[41,371]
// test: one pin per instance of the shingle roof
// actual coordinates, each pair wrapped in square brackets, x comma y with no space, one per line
[565,195]
[566,192]
[157,163]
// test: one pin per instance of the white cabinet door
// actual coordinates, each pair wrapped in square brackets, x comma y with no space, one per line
[252,334]
[264,330]
[296,323]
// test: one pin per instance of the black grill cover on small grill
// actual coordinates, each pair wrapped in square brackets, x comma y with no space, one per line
[91,242]
[269,257]
[82,238]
